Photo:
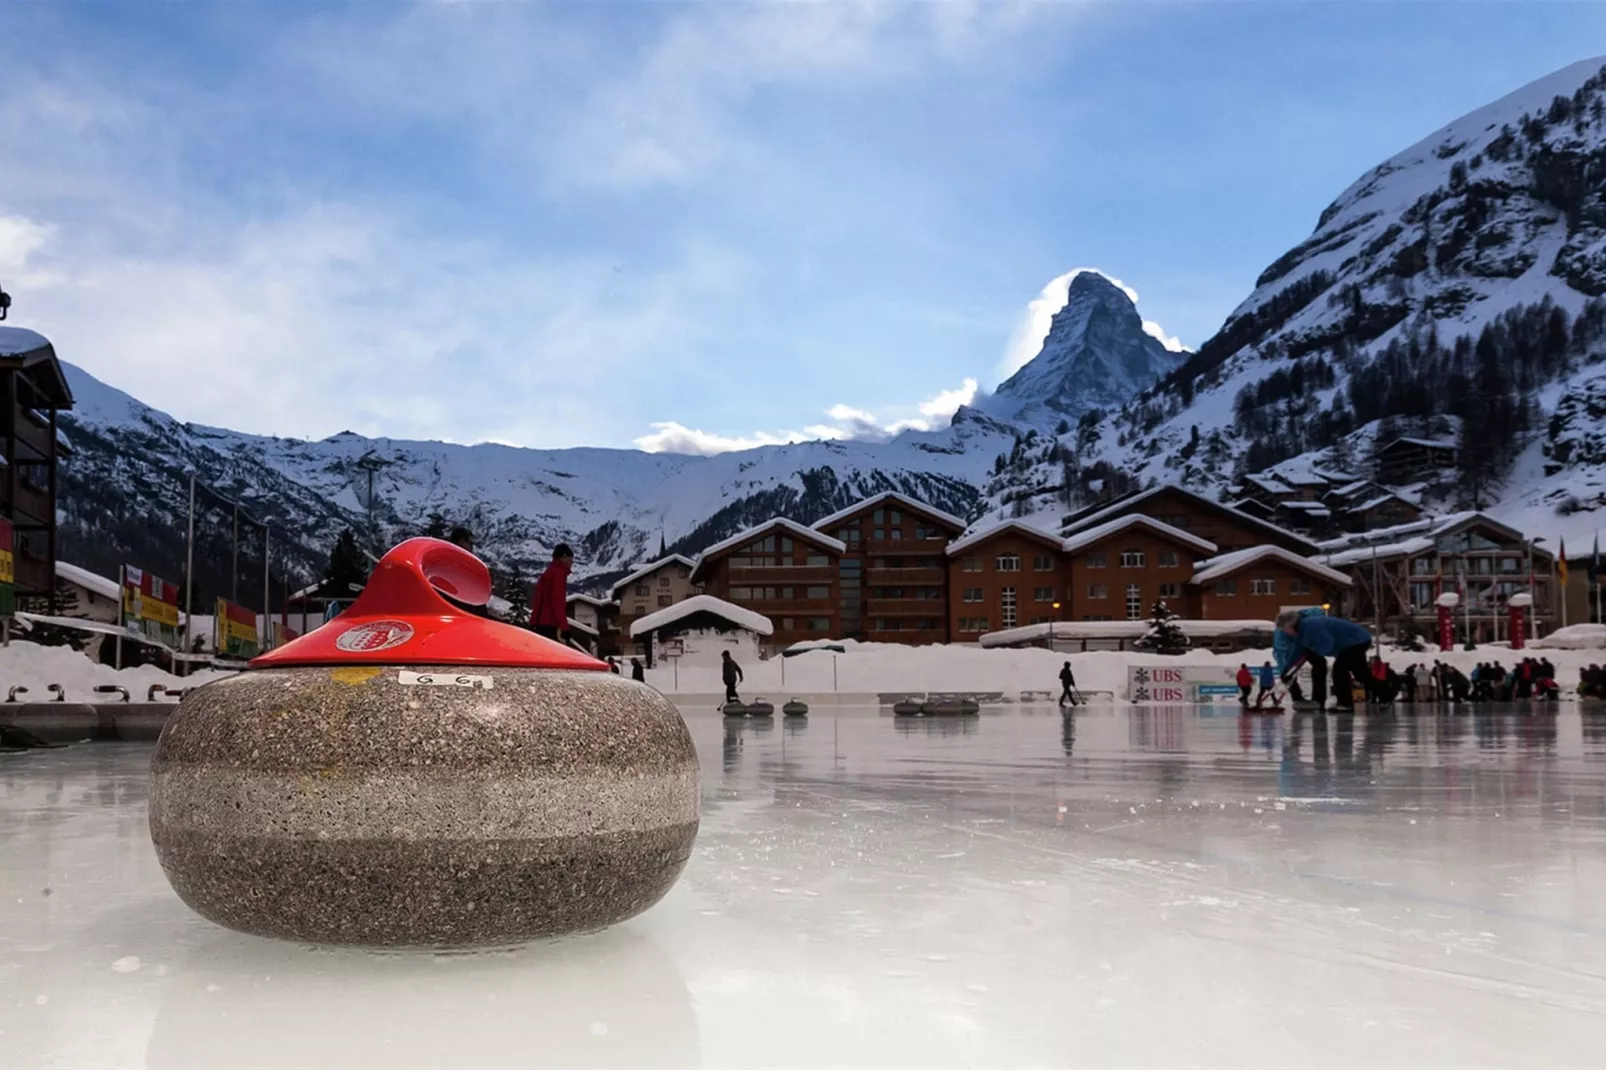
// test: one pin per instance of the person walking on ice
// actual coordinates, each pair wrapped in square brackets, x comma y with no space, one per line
[549,605]
[1309,635]
[1246,683]
[1268,680]
[1067,685]
[731,673]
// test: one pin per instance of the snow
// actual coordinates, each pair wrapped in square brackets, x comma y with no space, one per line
[703,603]
[36,667]
[591,600]
[1072,630]
[15,341]
[776,524]
[1090,536]
[887,497]
[89,581]
[645,570]
[1576,637]
[1429,443]
[1114,888]
[582,628]
[1404,548]
[1227,564]
[983,533]
[1270,484]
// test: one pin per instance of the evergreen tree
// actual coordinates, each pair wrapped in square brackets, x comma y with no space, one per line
[347,566]
[1165,635]
[437,526]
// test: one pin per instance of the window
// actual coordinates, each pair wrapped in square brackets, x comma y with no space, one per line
[897,534]
[1093,560]
[1166,559]
[1134,602]
[1006,606]
[819,592]
[786,545]
[1262,586]
[788,624]
[927,534]
[742,594]
[972,594]
[1094,616]
[972,564]
[1098,590]
[1302,586]
[880,516]
[819,624]
[1170,590]
[1042,620]
[663,581]
[1042,563]
[685,573]
[816,560]
[642,590]
[973,624]
[1510,565]
[664,600]
[1043,594]
[896,517]
[1131,558]
[1009,562]
[878,535]
[1226,588]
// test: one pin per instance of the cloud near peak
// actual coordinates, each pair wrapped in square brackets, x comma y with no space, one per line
[1027,340]
[846,424]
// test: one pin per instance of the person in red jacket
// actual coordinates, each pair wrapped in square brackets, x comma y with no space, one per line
[1246,683]
[549,606]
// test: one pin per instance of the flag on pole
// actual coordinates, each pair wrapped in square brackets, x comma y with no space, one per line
[1561,564]
[1594,563]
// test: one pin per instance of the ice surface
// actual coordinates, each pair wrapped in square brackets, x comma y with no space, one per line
[1121,888]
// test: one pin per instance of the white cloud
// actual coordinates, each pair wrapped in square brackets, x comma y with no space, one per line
[848,424]
[1027,340]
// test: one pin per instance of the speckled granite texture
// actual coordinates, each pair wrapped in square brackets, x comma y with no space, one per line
[340,806]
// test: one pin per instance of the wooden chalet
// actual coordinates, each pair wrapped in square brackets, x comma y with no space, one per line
[33,389]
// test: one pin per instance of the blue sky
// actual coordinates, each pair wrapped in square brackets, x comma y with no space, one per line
[691,227]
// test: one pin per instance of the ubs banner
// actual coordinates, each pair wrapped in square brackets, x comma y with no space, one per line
[1182,683]
[235,630]
[150,606]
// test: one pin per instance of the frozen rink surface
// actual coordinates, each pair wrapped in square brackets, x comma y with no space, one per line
[1123,888]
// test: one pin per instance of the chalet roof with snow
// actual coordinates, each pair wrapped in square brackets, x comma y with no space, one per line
[1008,527]
[1119,505]
[1094,535]
[890,497]
[779,525]
[1442,445]
[1270,484]
[735,615]
[1382,552]
[88,580]
[590,600]
[643,571]
[1230,564]
[33,353]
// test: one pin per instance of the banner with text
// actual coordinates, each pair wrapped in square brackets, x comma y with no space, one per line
[234,630]
[8,577]
[150,606]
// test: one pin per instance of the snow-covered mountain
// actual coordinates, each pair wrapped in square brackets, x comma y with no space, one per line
[1459,283]
[1096,356]
[125,489]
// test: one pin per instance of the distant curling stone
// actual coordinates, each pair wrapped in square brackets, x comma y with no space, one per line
[410,775]
[795,708]
[757,708]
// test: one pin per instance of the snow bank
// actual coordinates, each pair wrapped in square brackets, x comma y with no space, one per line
[1575,637]
[36,667]
[703,603]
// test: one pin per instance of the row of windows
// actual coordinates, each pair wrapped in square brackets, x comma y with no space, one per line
[1263,586]
[1039,594]
[814,560]
[807,624]
[973,624]
[1134,559]
[1045,562]
[920,593]
[778,594]
[896,625]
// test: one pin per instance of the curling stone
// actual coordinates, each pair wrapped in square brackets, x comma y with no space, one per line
[795,708]
[412,775]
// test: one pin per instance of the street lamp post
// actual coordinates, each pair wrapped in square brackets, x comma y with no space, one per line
[1051,625]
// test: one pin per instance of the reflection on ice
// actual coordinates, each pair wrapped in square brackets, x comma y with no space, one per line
[1156,886]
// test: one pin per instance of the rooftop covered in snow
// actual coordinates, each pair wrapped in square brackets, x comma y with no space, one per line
[777,525]
[889,497]
[647,570]
[1017,527]
[88,580]
[1093,535]
[1228,564]
[738,616]
[1131,501]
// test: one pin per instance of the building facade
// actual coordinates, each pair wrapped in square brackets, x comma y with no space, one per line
[894,570]
[651,587]
[602,617]
[782,570]
[33,389]
[1259,583]
[1227,528]
[1120,569]
[1005,577]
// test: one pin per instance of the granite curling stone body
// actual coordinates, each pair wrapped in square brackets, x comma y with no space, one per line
[411,775]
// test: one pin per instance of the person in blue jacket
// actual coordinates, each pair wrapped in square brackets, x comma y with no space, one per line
[1268,680]
[1309,635]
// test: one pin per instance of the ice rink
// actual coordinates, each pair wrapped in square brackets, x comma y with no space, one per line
[1128,887]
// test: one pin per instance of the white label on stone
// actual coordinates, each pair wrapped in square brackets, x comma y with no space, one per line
[442,679]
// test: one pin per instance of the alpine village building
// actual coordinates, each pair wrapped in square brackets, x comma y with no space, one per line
[34,389]
[893,569]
